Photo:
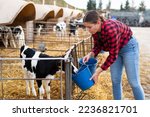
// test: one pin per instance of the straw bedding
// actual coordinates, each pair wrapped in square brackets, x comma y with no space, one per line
[15,89]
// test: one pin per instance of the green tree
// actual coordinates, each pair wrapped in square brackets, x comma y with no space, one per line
[100,5]
[91,5]
[121,7]
[127,6]
[142,6]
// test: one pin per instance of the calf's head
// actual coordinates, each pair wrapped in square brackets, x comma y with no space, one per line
[26,52]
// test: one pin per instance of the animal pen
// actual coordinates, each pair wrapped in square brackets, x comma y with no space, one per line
[12,85]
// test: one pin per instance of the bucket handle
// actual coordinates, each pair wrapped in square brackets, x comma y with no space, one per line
[84,65]
[75,69]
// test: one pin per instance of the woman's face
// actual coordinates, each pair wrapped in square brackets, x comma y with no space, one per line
[93,28]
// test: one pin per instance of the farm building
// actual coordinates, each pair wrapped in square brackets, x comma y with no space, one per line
[132,18]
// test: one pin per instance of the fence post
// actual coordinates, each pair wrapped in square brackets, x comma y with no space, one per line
[75,56]
[1,79]
[29,31]
[68,82]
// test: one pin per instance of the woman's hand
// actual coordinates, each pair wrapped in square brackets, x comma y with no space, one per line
[87,57]
[96,74]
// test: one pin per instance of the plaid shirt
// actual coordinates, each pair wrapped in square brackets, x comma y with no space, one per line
[113,36]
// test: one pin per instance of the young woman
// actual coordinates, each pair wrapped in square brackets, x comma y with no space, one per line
[116,38]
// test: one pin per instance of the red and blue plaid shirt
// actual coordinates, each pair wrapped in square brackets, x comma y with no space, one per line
[113,36]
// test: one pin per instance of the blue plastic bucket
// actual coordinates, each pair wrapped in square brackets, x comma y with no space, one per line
[82,78]
[91,64]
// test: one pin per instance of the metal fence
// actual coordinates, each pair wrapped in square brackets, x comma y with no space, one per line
[12,65]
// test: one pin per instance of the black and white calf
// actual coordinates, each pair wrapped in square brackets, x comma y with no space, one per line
[73,28]
[19,35]
[74,25]
[39,29]
[39,69]
[79,23]
[60,29]
[7,37]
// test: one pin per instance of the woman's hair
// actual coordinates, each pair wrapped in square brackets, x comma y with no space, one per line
[93,16]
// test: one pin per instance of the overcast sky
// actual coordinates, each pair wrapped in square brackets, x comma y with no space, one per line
[115,4]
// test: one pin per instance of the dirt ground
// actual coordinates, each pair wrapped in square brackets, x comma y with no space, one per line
[143,37]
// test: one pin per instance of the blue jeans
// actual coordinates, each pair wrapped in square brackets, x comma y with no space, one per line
[129,58]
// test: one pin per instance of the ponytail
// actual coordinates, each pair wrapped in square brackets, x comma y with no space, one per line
[102,18]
